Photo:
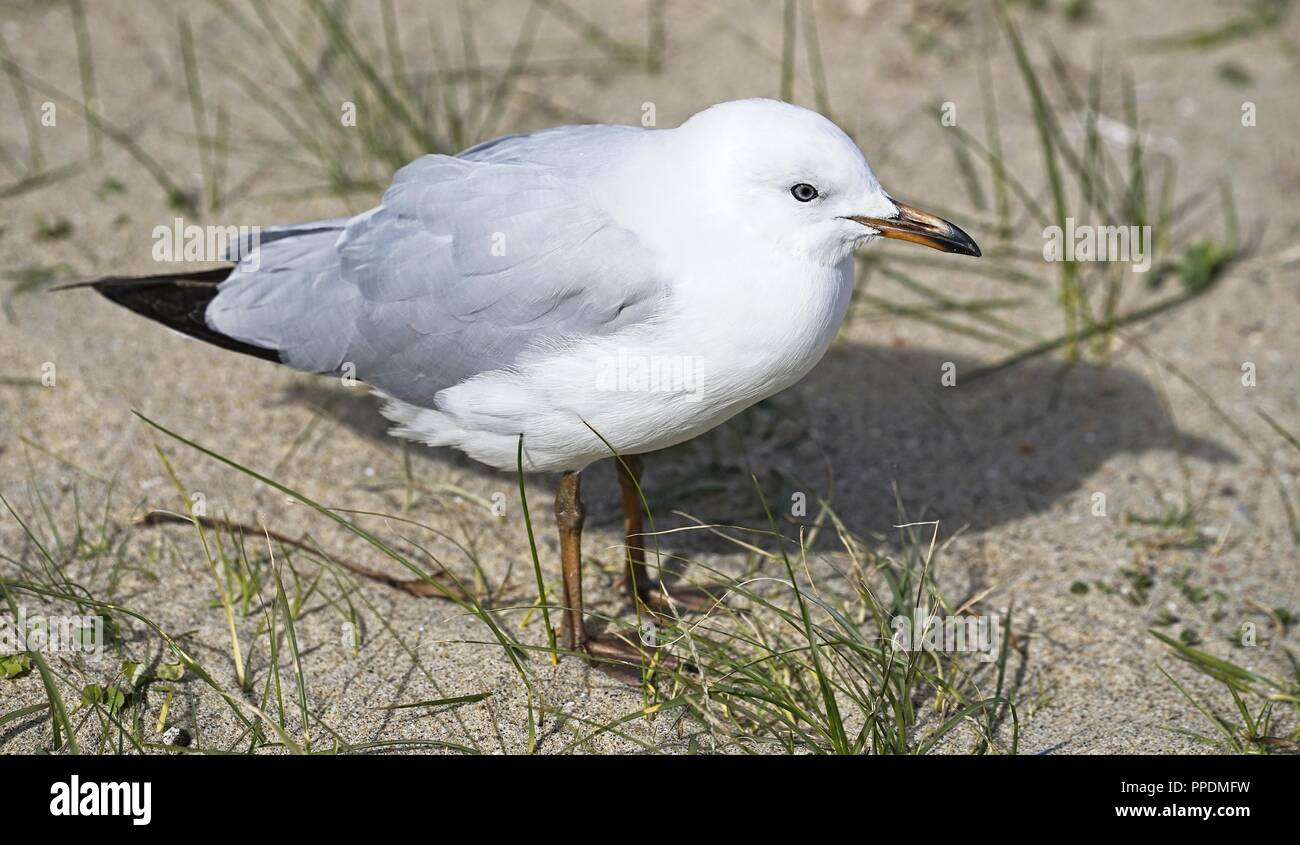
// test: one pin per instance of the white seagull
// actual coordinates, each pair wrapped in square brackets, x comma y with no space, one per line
[596,291]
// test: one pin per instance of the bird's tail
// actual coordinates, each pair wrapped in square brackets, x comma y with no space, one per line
[177,300]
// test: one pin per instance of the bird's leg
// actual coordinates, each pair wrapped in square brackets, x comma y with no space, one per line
[629,480]
[569,514]
[629,652]
[610,651]
[639,587]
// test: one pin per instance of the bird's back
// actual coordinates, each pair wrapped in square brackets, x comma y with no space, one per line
[576,150]
[469,262]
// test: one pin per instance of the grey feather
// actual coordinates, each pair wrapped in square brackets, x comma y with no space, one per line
[468,263]
[248,241]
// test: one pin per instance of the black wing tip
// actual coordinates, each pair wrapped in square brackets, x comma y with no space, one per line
[90,283]
[177,301]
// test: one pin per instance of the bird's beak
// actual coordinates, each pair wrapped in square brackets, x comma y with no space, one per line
[913,224]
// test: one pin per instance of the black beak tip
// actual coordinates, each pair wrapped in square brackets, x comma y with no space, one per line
[964,244]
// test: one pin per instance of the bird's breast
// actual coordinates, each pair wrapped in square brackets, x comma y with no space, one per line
[719,346]
[756,330]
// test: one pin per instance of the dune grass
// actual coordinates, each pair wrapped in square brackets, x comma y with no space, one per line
[1268,708]
[784,663]
[787,664]
[341,108]
[132,712]
[1098,167]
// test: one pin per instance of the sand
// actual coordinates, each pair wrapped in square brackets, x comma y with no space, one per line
[1015,460]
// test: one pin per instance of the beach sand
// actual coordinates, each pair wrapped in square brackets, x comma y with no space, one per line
[1011,465]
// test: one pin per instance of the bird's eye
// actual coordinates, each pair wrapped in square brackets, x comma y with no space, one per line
[804,192]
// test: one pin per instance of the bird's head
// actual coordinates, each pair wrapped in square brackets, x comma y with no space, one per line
[790,176]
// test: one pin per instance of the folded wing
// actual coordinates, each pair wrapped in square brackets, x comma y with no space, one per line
[469,264]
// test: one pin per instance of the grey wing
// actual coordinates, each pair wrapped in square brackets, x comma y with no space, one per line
[575,149]
[465,267]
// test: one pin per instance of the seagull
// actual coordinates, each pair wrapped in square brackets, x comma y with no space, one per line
[544,301]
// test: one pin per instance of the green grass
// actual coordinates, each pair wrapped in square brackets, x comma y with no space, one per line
[785,663]
[1085,178]
[419,88]
[1264,716]
[128,714]
[810,668]
[1243,21]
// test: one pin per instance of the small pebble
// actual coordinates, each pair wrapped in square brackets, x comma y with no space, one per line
[178,736]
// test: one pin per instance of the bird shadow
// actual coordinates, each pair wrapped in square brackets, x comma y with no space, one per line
[873,430]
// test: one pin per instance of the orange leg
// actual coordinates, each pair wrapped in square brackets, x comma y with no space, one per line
[619,654]
[629,477]
[640,588]
[569,514]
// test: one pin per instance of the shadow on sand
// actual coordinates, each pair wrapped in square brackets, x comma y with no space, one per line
[867,419]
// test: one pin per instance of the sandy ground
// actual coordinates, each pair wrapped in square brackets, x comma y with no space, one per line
[1016,459]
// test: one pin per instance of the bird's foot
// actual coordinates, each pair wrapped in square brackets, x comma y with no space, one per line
[671,602]
[624,657]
